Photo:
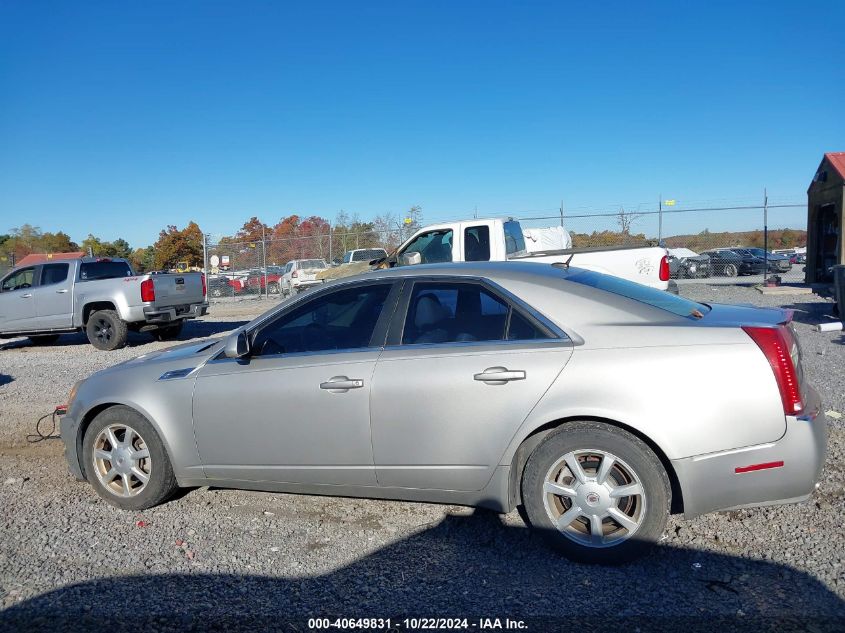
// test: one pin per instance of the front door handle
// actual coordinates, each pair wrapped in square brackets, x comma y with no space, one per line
[26,296]
[61,292]
[500,375]
[341,384]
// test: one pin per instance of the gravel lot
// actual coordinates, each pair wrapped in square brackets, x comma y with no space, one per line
[244,559]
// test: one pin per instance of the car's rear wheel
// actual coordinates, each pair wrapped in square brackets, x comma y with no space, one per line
[125,460]
[597,493]
[44,339]
[731,270]
[273,288]
[217,291]
[106,330]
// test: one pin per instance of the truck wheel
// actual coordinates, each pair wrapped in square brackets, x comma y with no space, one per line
[125,460]
[168,332]
[596,493]
[106,330]
[44,339]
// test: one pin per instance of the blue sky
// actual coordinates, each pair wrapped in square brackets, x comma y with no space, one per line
[119,118]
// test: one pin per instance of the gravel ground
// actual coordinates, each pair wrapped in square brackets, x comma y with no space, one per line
[245,559]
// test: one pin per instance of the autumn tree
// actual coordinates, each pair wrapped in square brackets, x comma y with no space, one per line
[175,246]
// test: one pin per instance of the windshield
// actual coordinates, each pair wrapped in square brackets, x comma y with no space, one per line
[312,263]
[638,292]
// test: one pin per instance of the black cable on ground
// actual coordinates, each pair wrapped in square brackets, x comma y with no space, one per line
[39,435]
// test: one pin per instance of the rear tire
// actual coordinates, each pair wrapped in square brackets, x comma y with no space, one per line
[106,330]
[43,339]
[273,288]
[168,332]
[584,514]
[731,270]
[106,476]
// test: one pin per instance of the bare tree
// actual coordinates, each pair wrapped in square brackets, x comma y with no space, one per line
[626,219]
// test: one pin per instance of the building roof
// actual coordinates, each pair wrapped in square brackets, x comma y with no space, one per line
[837,160]
[37,258]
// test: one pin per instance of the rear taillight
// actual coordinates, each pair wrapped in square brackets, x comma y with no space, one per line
[148,290]
[204,287]
[295,273]
[664,269]
[779,346]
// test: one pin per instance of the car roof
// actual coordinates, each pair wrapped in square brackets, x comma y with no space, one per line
[521,271]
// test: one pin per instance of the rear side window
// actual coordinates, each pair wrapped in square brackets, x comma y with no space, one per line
[514,239]
[477,244]
[638,292]
[54,273]
[462,312]
[90,271]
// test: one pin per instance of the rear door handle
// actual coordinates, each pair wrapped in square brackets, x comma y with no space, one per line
[26,296]
[61,292]
[341,384]
[500,375]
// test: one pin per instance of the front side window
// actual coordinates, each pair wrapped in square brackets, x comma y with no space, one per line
[434,247]
[477,244]
[54,273]
[343,319]
[462,312]
[19,280]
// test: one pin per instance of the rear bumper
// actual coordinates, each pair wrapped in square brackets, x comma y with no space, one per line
[175,313]
[710,482]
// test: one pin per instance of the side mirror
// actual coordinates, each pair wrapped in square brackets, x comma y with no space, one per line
[411,258]
[237,345]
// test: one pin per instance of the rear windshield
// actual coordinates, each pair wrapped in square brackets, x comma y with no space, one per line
[367,255]
[104,270]
[638,292]
[312,263]
[514,240]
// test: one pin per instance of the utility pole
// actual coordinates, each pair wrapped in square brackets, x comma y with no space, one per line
[264,257]
[561,214]
[660,219]
[475,214]
[205,255]
[765,234]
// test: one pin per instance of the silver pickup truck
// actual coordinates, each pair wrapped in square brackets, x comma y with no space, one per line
[99,296]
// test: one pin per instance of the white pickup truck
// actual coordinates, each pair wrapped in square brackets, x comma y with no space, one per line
[101,297]
[501,239]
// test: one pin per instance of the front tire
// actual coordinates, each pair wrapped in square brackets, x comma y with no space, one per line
[106,330]
[731,270]
[273,288]
[596,493]
[125,460]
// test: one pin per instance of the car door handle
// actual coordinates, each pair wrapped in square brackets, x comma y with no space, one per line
[341,384]
[500,375]
[26,296]
[61,292]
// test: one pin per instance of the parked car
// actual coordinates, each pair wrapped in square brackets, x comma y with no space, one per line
[483,384]
[99,296]
[225,285]
[269,279]
[687,264]
[776,263]
[364,255]
[730,264]
[301,274]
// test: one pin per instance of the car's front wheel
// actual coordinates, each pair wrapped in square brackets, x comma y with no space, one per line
[596,492]
[125,460]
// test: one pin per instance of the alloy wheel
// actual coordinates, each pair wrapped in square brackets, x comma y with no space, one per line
[594,498]
[122,460]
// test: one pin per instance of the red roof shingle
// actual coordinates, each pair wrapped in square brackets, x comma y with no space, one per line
[837,160]
[37,258]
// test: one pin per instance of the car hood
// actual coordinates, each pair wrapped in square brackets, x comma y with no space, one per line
[191,354]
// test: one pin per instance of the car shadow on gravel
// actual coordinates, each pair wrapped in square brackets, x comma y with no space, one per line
[464,566]
[5,379]
[191,330]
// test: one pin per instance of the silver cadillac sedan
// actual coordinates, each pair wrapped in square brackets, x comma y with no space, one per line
[564,392]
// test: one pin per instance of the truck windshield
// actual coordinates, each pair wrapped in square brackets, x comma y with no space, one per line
[90,271]
[638,292]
